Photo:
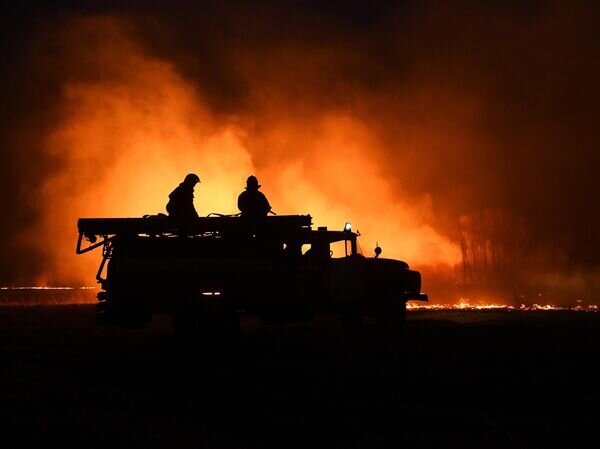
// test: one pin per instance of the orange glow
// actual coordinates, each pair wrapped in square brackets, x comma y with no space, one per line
[125,141]
[47,288]
[466,305]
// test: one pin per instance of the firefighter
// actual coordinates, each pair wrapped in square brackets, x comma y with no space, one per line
[252,203]
[181,201]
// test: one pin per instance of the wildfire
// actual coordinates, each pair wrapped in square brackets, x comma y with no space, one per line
[47,288]
[386,151]
[123,141]
[43,295]
[466,305]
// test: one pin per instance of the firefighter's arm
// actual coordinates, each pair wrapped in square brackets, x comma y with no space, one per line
[267,206]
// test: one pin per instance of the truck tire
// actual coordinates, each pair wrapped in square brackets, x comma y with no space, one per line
[130,314]
[197,321]
[391,318]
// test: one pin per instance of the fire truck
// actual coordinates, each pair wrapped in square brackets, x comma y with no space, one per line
[278,269]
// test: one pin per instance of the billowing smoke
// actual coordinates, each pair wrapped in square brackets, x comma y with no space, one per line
[128,137]
[461,140]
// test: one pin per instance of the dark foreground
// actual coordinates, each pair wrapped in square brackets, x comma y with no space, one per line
[462,379]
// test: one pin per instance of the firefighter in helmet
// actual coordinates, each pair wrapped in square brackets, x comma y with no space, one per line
[181,201]
[252,203]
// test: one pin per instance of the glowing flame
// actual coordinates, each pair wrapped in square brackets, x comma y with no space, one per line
[47,288]
[467,305]
[127,138]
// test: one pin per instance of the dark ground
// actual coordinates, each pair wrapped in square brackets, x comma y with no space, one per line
[462,379]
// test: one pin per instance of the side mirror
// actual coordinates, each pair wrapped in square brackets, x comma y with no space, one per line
[377,250]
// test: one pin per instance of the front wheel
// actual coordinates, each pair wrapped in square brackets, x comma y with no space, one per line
[391,317]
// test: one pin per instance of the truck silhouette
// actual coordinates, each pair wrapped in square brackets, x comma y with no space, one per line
[278,269]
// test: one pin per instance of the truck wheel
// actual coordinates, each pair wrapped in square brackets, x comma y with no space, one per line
[391,318]
[200,322]
[127,315]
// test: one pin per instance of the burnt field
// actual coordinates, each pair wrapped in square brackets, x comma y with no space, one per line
[459,379]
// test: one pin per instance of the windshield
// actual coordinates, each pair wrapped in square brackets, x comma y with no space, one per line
[342,248]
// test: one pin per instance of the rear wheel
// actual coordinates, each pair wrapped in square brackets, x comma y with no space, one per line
[128,313]
[206,321]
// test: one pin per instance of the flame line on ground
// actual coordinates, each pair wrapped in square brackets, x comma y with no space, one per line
[47,288]
[501,307]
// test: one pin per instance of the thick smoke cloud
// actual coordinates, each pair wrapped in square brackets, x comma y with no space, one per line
[433,127]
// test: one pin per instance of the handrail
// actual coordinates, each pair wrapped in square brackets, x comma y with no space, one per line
[93,246]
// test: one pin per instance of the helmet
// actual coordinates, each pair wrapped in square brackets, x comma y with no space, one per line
[192,179]
[252,182]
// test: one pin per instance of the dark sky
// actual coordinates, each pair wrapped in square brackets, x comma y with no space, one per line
[481,105]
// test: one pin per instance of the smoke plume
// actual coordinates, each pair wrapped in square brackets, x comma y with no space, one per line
[462,140]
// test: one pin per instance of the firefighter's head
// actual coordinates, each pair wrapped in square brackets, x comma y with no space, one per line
[191,180]
[252,183]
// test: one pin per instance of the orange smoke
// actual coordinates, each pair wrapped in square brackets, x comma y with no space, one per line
[126,139]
